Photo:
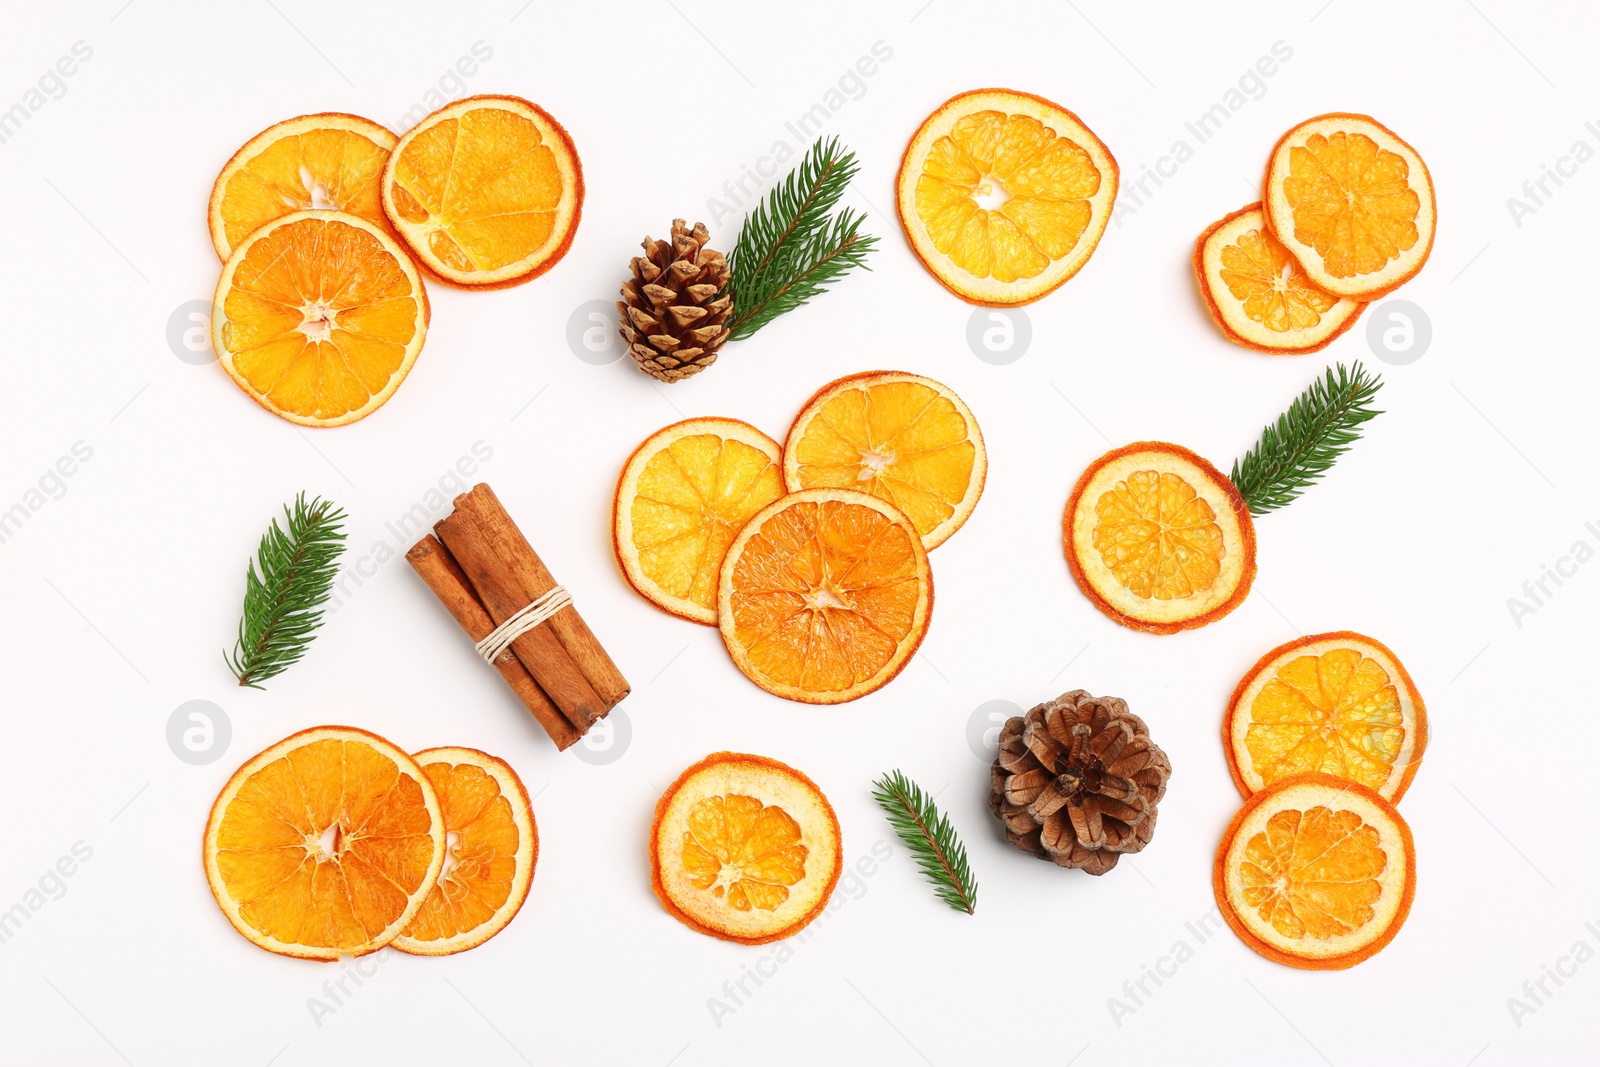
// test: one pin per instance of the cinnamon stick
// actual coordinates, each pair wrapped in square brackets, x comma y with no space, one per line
[435,566]
[503,594]
[568,626]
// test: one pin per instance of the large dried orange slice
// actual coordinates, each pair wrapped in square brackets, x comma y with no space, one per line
[1004,195]
[324,845]
[1259,295]
[1352,202]
[825,595]
[318,317]
[1340,703]
[1159,539]
[744,848]
[683,496]
[487,191]
[901,437]
[491,846]
[1316,872]
[323,162]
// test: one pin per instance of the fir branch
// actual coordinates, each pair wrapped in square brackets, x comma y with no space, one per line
[790,248]
[285,589]
[931,838]
[1319,427]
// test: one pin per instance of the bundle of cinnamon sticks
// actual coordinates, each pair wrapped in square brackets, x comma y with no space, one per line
[483,571]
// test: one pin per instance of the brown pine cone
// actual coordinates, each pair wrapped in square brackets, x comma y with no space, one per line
[672,318]
[1077,781]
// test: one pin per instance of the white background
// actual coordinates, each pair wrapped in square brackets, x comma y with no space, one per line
[120,596]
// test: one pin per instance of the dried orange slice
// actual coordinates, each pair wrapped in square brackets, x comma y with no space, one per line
[324,845]
[487,191]
[1259,295]
[1316,872]
[683,495]
[1004,195]
[491,846]
[322,162]
[901,437]
[825,595]
[1159,539]
[1339,703]
[744,848]
[1352,202]
[318,316]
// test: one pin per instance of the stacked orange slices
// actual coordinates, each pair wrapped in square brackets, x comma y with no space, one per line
[1347,216]
[1323,735]
[333,842]
[810,557]
[1004,195]
[327,223]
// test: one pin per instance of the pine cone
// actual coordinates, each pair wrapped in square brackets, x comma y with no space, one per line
[1077,781]
[672,318]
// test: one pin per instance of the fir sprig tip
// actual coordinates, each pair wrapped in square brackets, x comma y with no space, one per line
[791,248]
[930,837]
[1297,450]
[285,588]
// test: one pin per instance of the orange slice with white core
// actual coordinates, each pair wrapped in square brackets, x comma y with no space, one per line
[491,846]
[1004,195]
[744,848]
[1259,295]
[314,162]
[1316,872]
[319,316]
[1339,703]
[324,845]
[825,595]
[901,437]
[1352,202]
[487,191]
[683,496]
[1159,539]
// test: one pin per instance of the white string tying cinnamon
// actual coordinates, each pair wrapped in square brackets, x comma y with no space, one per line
[539,611]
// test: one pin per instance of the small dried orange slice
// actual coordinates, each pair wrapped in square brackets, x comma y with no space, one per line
[1159,539]
[1339,703]
[1352,202]
[744,848]
[322,162]
[1259,295]
[901,437]
[825,595]
[487,191]
[1004,195]
[683,496]
[491,846]
[318,317]
[1316,872]
[324,845]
